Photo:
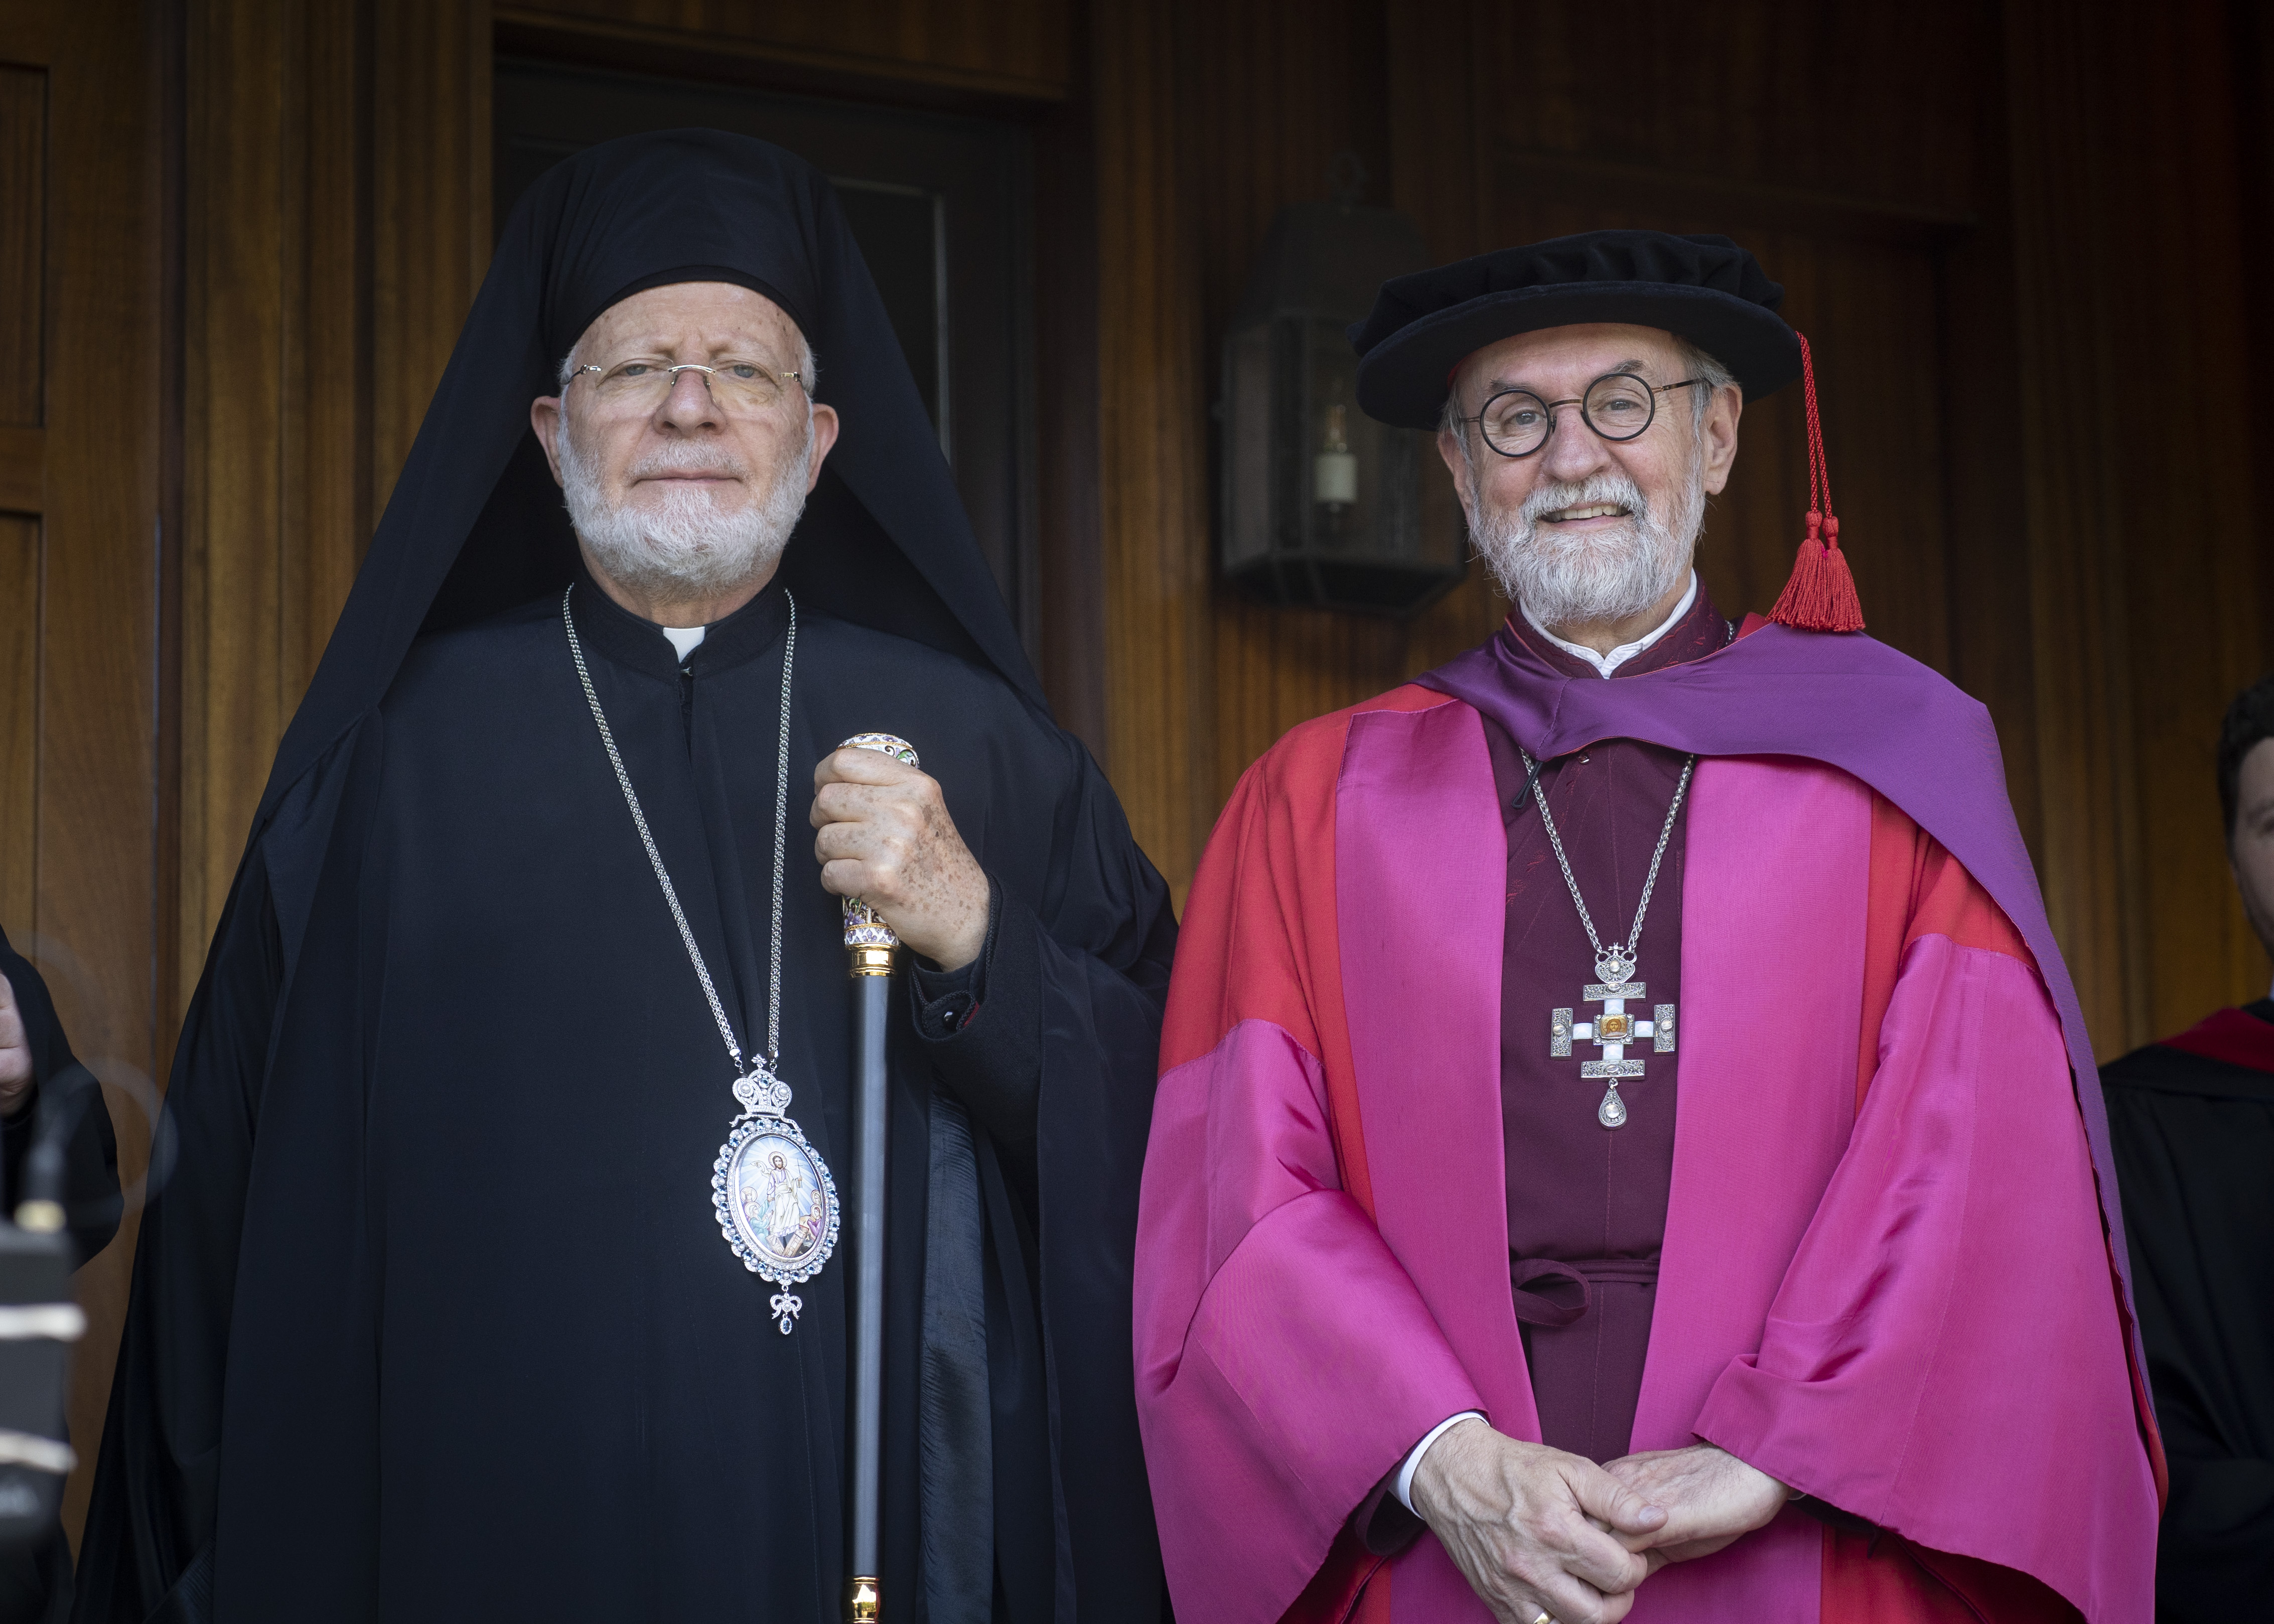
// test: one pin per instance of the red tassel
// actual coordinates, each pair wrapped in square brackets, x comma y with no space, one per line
[1820,597]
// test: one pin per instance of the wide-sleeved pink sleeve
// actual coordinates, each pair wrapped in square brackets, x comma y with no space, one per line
[1944,1356]
[1285,1361]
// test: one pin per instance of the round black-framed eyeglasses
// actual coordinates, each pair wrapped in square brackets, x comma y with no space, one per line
[1618,406]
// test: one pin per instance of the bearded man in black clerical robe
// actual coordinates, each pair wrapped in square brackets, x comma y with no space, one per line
[446,1314]
[2192,1120]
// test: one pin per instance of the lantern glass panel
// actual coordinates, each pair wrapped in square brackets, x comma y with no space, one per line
[1356,477]
[1247,445]
[1321,504]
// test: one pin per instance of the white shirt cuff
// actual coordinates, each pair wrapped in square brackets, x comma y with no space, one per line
[1404,1487]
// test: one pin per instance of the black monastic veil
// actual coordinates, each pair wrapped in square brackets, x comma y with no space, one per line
[434,1320]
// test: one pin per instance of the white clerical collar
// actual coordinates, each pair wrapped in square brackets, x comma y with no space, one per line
[684,638]
[1606,663]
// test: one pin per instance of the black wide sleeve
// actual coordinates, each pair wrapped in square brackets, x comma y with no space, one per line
[152,1512]
[1102,957]
[1042,1057]
[146,1554]
[983,1027]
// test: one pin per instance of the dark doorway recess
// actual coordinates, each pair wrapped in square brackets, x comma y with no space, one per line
[942,206]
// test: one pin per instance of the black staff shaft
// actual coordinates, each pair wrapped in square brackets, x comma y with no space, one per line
[871,944]
[871,997]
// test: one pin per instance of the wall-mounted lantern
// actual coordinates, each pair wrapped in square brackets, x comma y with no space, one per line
[1320,505]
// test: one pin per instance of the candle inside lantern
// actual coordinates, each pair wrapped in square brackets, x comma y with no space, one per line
[1334,471]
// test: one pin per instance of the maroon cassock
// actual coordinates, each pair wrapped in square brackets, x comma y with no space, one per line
[1586,1204]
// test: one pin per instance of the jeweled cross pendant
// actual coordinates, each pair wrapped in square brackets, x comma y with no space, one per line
[1612,1032]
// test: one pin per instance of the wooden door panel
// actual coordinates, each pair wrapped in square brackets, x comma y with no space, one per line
[23,208]
[1003,46]
[19,673]
[1844,102]
[23,199]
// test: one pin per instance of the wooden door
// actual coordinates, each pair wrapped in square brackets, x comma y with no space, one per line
[84,369]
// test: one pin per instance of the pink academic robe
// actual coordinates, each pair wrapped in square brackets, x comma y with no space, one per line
[1885,1279]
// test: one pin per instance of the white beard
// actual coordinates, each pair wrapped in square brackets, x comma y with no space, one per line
[677,543]
[1607,576]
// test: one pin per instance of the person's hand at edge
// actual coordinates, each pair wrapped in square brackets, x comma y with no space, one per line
[15,1055]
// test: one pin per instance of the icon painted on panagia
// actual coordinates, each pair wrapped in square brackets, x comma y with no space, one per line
[780,1205]
[776,1201]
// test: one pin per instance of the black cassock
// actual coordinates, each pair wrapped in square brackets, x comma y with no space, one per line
[2193,1137]
[435,1320]
[492,1356]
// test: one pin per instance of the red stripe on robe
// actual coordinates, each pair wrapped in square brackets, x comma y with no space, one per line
[1917,889]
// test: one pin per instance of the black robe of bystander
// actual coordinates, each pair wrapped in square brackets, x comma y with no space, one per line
[2192,1122]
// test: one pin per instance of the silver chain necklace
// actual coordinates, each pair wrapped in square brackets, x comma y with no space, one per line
[770,1191]
[1614,1029]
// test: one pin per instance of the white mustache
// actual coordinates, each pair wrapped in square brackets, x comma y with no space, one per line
[686,457]
[1557,495]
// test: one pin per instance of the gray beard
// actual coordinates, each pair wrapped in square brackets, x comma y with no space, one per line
[1579,580]
[679,545]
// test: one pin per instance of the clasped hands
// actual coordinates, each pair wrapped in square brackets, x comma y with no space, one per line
[885,836]
[1534,1529]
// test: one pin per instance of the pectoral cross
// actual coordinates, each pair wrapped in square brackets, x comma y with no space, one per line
[1612,1032]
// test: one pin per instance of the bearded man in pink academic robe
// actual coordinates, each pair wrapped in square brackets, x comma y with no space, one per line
[1619,1152]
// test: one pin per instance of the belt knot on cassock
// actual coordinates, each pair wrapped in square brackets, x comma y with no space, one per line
[1552,1292]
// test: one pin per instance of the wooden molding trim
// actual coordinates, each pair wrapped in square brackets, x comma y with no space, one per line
[23,470]
[275,432]
[430,234]
[522,31]
[29,28]
[95,903]
[1752,202]
[1152,438]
